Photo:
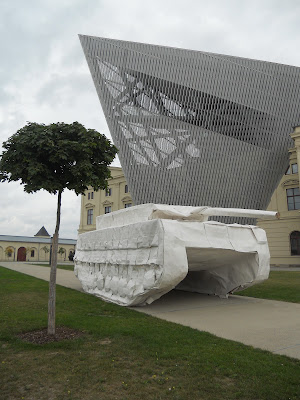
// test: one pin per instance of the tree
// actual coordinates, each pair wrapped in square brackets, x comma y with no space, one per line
[55,157]
[46,250]
[27,250]
[9,251]
[62,251]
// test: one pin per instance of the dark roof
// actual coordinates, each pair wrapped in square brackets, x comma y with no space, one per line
[42,232]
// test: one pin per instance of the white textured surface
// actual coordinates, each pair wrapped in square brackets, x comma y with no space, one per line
[133,260]
[146,212]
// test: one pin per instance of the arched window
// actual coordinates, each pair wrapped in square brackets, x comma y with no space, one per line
[295,243]
[90,216]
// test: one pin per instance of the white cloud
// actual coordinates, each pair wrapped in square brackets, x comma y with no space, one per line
[44,76]
[24,214]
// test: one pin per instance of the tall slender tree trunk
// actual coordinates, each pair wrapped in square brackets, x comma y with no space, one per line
[52,282]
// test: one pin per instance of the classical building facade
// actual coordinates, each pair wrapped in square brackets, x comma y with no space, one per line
[36,248]
[95,203]
[284,234]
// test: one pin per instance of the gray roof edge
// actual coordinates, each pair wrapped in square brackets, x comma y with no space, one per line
[11,238]
[122,43]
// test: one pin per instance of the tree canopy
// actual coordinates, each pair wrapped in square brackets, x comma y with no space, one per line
[57,156]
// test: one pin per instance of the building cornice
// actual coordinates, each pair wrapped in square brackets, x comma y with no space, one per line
[90,205]
[290,182]
[107,203]
[125,199]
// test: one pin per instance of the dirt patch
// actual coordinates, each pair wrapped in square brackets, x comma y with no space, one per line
[41,336]
[105,341]
[224,381]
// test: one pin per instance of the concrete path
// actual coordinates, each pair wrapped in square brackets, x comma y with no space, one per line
[265,324]
[286,269]
[63,277]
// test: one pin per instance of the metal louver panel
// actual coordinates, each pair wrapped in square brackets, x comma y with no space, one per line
[195,128]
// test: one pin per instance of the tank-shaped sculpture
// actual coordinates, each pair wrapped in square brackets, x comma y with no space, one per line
[138,254]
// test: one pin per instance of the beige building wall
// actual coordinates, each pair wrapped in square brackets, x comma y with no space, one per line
[279,231]
[5,246]
[95,203]
[37,249]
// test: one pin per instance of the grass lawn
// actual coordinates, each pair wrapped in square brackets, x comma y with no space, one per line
[60,266]
[125,355]
[281,285]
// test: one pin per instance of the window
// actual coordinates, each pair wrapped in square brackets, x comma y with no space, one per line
[32,253]
[90,217]
[90,195]
[127,205]
[294,168]
[108,192]
[293,199]
[295,243]
[126,188]
[107,209]
[288,171]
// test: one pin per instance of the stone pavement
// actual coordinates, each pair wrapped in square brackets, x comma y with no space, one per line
[295,268]
[265,324]
[63,277]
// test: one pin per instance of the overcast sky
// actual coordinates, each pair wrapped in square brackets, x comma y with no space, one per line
[45,78]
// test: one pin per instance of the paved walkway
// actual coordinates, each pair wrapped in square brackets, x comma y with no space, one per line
[293,269]
[63,277]
[265,324]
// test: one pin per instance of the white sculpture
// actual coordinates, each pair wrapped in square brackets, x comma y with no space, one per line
[138,254]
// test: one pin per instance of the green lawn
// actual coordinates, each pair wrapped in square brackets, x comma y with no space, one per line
[125,355]
[60,266]
[281,285]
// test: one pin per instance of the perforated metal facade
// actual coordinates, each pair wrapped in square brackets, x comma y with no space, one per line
[195,128]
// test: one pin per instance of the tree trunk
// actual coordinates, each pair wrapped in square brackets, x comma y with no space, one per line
[52,282]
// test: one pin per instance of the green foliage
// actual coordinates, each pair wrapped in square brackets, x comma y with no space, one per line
[61,251]
[9,251]
[46,250]
[57,156]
